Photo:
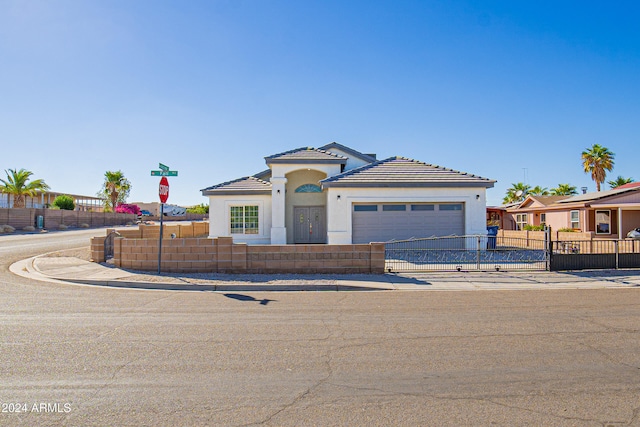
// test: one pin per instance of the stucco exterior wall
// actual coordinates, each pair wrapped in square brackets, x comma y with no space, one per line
[339,210]
[219,217]
[294,180]
[352,162]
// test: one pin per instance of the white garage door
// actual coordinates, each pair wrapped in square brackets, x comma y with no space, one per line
[382,222]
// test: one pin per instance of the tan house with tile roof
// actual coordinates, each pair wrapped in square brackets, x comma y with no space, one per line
[335,194]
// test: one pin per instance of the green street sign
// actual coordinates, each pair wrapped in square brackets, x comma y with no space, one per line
[164,173]
[163,167]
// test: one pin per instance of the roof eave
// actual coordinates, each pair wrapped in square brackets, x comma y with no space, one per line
[235,192]
[305,161]
[406,184]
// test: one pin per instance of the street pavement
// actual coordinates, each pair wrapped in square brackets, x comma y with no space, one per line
[534,349]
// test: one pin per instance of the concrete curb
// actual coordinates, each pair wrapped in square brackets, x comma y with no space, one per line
[71,271]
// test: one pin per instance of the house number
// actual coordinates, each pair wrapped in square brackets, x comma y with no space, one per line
[301,218]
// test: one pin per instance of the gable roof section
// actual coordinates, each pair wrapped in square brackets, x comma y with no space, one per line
[369,158]
[539,201]
[246,185]
[597,195]
[306,155]
[629,185]
[404,172]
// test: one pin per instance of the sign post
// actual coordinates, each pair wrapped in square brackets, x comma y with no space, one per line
[163,192]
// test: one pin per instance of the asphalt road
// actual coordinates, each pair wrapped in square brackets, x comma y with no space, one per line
[83,356]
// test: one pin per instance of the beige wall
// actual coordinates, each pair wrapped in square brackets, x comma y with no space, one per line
[221,255]
[294,180]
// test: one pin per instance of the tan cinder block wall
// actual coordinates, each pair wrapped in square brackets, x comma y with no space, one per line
[193,254]
[97,249]
[139,251]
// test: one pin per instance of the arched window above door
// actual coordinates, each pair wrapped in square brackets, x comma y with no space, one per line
[309,188]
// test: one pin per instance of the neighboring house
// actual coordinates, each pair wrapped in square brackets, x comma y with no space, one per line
[45,199]
[607,214]
[337,195]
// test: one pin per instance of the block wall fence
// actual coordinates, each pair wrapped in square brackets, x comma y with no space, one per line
[53,218]
[192,252]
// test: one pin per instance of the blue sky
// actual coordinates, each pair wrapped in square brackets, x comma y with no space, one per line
[509,90]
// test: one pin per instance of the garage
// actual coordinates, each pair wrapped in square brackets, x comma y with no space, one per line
[382,222]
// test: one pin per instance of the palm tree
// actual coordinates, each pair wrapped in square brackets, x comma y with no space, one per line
[115,189]
[539,191]
[620,180]
[597,160]
[564,190]
[517,193]
[17,184]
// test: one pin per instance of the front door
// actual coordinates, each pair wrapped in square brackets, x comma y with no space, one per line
[310,225]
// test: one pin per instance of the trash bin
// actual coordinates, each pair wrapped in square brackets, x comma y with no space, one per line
[492,232]
[40,222]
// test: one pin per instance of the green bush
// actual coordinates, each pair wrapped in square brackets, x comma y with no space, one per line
[529,227]
[64,202]
[199,209]
[567,230]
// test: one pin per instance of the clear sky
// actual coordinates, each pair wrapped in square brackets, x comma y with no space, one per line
[509,90]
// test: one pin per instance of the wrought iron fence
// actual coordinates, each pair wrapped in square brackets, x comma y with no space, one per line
[463,253]
[594,254]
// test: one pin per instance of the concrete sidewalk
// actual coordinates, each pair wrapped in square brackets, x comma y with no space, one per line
[73,270]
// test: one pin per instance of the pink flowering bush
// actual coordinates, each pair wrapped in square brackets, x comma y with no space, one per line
[128,209]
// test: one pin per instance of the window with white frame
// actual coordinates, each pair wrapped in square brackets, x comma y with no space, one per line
[603,222]
[574,219]
[521,221]
[244,219]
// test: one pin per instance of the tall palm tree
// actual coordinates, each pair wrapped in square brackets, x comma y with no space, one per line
[18,185]
[597,160]
[115,189]
[539,191]
[516,193]
[620,180]
[564,190]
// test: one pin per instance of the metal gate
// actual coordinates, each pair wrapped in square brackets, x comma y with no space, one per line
[108,244]
[464,253]
[594,254]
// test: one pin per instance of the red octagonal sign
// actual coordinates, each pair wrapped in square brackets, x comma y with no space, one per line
[164,189]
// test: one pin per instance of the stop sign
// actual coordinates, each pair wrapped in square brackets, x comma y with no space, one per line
[164,189]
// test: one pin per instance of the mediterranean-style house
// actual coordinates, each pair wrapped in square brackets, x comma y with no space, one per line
[337,195]
[607,214]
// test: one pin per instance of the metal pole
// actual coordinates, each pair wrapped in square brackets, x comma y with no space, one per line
[160,243]
[478,242]
[617,252]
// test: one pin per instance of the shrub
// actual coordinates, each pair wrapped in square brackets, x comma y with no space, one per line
[567,230]
[29,228]
[8,229]
[199,209]
[62,227]
[529,227]
[128,209]
[64,202]
[84,225]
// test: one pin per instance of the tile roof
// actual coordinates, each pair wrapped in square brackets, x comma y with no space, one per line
[354,153]
[245,185]
[404,172]
[629,185]
[596,195]
[306,155]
